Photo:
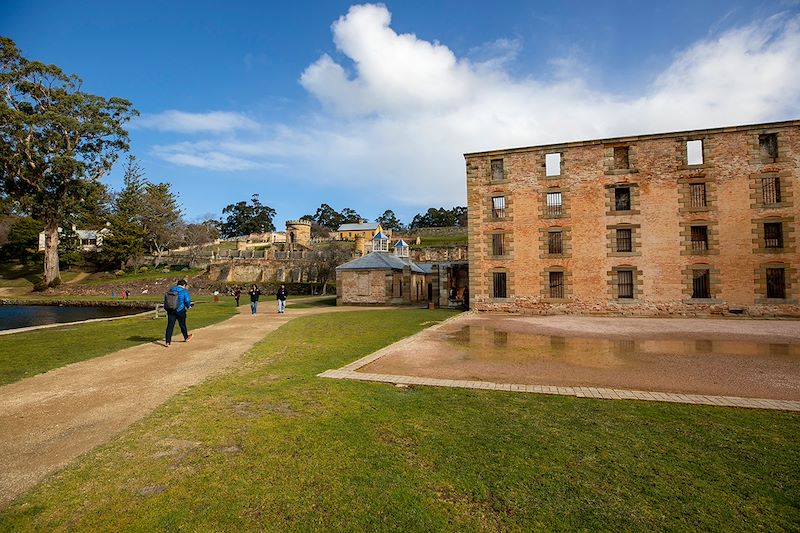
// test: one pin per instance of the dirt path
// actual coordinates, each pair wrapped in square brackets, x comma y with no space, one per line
[48,420]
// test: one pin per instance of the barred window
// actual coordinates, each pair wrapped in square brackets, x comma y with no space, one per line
[499,206]
[555,243]
[624,240]
[697,195]
[768,143]
[776,283]
[699,238]
[556,284]
[498,172]
[554,205]
[622,199]
[773,235]
[499,284]
[621,160]
[625,283]
[771,190]
[498,244]
[701,283]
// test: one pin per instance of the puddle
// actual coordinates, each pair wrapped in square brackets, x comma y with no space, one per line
[486,343]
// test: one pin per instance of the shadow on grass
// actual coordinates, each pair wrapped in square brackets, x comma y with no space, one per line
[140,338]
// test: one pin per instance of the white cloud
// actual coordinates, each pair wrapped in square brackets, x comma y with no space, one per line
[182,122]
[203,155]
[399,114]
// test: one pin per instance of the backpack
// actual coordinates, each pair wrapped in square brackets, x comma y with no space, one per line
[171,300]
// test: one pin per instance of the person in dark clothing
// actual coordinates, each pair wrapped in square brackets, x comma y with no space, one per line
[282,299]
[254,294]
[236,293]
[179,314]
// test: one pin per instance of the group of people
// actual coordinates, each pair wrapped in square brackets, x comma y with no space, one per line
[184,303]
[255,294]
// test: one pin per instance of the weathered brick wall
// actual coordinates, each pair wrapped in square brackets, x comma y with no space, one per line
[659,219]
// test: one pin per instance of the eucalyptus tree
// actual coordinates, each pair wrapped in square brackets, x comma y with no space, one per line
[56,141]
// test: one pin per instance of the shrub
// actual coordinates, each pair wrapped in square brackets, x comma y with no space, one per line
[55,283]
[143,269]
[119,272]
[40,286]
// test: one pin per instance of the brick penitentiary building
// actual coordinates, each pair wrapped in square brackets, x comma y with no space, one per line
[689,223]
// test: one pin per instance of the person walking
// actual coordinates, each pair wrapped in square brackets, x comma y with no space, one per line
[176,311]
[254,294]
[282,299]
[236,294]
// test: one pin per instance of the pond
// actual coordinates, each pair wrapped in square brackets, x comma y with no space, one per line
[22,316]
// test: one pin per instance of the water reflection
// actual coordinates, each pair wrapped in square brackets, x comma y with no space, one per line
[21,316]
[481,342]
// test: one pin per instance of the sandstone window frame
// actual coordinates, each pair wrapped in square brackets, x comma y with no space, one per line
[545,241]
[688,200]
[498,244]
[613,240]
[499,284]
[612,196]
[691,282]
[498,206]
[694,152]
[555,242]
[696,241]
[768,186]
[554,203]
[764,294]
[785,238]
[498,172]
[548,277]
[768,147]
[620,158]
[625,283]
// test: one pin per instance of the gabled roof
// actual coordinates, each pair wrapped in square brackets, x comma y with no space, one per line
[364,226]
[381,261]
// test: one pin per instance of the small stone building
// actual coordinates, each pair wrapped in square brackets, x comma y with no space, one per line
[691,223]
[383,278]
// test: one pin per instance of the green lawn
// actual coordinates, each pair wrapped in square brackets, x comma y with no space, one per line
[26,354]
[272,447]
[137,276]
[446,240]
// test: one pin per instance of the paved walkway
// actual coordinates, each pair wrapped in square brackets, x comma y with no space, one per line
[48,420]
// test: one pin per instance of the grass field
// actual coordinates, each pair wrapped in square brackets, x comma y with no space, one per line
[432,240]
[26,354]
[271,447]
[138,276]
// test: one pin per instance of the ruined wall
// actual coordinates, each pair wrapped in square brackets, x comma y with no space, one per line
[667,251]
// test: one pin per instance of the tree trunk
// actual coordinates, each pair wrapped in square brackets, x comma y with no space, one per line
[51,271]
[325,288]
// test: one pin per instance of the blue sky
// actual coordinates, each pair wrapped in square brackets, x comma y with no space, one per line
[371,106]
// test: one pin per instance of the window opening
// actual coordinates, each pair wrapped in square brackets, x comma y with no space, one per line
[621,160]
[776,283]
[499,206]
[768,143]
[624,240]
[773,235]
[699,238]
[554,204]
[499,284]
[701,283]
[697,193]
[771,190]
[622,199]
[625,283]
[554,242]
[694,152]
[498,244]
[552,164]
[556,284]
[498,172]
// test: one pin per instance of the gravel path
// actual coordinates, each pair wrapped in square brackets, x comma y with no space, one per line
[48,420]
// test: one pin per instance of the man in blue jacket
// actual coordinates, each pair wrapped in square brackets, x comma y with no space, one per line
[179,314]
